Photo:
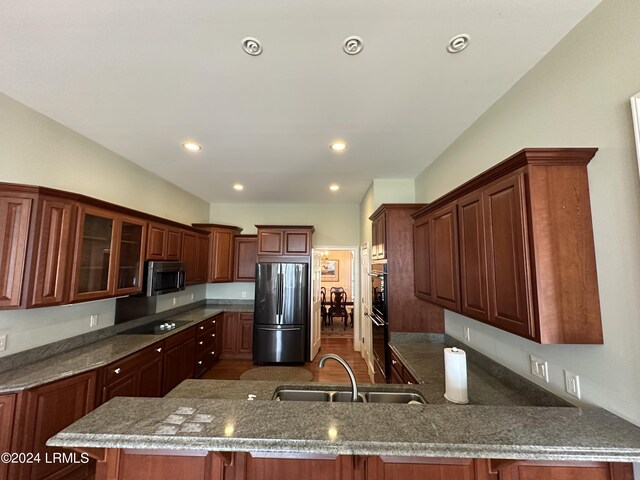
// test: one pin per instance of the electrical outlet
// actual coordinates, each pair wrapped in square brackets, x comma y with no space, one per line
[572,383]
[3,342]
[175,300]
[93,322]
[192,297]
[539,368]
[244,294]
[467,333]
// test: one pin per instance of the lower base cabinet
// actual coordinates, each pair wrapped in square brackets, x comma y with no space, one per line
[237,336]
[41,413]
[142,465]
[7,407]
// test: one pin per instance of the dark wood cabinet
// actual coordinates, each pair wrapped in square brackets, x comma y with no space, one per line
[422,257]
[7,409]
[164,242]
[405,312]
[378,237]
[44,412]
[237,336]
[208,344]
[179,358]
[202,266]
[399,372]
[403,468]
[539,470]
[473,264]
[527,258]
[508,257]
[221,251]
[195,257]
[108,257]
[137,375]
[52,252]
[15,217]
[285,240]
[444,260]
[246,257]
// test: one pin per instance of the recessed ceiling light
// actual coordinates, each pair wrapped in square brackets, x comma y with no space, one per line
[352,45]
[458,43]
[338,146]
[238,187]
[252,46]
[193,147]
[334,187]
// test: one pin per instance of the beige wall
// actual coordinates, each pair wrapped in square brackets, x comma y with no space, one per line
[36,150]
[578,95]
[336,225]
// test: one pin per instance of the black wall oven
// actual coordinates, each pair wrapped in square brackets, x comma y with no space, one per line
[378,316]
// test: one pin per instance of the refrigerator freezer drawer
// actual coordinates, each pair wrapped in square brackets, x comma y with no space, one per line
[279,345]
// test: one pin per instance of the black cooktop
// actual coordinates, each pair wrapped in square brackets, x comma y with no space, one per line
[156,328]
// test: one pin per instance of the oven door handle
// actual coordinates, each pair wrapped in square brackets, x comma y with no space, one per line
[375,321]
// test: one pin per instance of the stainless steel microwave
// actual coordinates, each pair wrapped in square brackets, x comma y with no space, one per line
[163,277]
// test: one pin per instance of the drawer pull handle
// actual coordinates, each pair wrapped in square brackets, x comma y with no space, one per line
[202,327]
[409,383]
[213,353]
[117,371]
[213,321]
[159,350]
[213,334]
[200,342]
[199,362]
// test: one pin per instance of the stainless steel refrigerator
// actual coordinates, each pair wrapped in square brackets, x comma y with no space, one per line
[281,315]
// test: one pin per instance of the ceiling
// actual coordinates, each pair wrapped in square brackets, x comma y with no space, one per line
[142,77]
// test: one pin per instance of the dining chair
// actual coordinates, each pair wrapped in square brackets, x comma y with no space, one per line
[323,307]
[338,308]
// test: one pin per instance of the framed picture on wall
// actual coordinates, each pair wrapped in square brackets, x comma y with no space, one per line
[635,111]
[329,270]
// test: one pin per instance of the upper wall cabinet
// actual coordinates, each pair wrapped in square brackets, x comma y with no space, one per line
[221,250]
[195,257]
[378,237]
[518,239]
[164,242]
[404,311]
[284,240]
[246,257]
[35,247]
[109,253]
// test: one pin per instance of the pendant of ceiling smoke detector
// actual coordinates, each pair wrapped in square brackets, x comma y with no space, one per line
[252,46]
[458,43]
[352,45]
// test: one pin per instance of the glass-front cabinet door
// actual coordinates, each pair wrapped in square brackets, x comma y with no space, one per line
[94,258]
[131,247]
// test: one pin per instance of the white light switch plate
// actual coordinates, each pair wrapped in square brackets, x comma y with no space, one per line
[572,383]
[539,368]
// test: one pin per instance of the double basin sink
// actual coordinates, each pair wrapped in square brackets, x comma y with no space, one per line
[319,395]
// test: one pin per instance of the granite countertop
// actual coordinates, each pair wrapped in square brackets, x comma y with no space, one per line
[101,353]
[215,416]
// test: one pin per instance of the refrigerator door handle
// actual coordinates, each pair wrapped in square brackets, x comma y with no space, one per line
[279,329]
[281,297]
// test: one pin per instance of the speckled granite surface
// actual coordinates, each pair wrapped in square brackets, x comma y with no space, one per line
[100,353]
[425,360]
[361,429]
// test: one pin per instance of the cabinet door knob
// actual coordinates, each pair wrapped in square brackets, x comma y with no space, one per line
[202,327]
[117,371]
[409,383]
[393,362]
[213,353]
[199,362]
[213,321]
[159,350]
[200,342]
[213,334]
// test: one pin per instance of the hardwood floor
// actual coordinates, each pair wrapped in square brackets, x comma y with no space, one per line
[332,372]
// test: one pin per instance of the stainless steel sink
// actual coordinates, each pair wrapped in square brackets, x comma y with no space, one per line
[287,394]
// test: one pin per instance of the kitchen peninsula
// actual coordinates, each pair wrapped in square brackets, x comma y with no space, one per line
[209,429]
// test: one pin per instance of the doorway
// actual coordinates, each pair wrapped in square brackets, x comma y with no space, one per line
[335,270]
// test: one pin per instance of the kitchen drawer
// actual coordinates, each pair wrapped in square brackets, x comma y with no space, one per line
[396,364]
[205,361]
[121,368]
[178,338]
[208,325]
[205,343]
[408,377]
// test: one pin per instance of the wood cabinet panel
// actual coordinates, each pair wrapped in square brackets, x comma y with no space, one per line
[190,256]
[270,242]
[229,334]
[297,242]
[445,257]
[202,266]
[131,245]
[179,359]
[150,375]
[174,244]
[540,470]
[508,256]
[51,261]
[418,468]
[245,334]
[312,467]
[7,409]
[156,242]
[422,258]
[15,217]
[378,238]
[222,245]
[473,269]
[237,336]
[70,399]
[246,257]
[132,465]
